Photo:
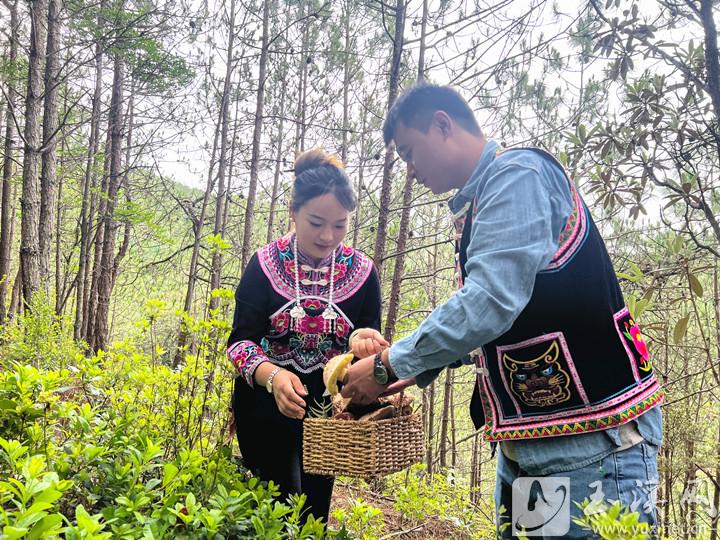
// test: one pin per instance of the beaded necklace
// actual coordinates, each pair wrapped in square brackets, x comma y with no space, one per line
[297,313]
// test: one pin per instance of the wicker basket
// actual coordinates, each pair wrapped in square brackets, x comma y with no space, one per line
[361,449]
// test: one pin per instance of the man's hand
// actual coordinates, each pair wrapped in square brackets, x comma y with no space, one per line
[360,384]
[367,342]
[398,386]
[287,390]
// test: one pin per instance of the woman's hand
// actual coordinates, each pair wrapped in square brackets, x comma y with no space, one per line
[367,342]
[289,392]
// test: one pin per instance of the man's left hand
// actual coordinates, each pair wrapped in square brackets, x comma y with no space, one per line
[360,384]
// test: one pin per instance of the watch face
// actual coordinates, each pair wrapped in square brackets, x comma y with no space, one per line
[380,374]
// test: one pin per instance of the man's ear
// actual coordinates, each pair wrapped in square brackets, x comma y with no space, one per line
[443,122]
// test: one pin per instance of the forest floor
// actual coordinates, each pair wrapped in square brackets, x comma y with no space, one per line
[396,527]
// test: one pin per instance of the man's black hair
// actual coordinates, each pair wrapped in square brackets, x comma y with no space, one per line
[416,106]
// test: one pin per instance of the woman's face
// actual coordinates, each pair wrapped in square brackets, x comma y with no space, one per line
[320,225]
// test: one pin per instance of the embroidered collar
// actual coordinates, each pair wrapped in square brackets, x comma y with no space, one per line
[277,261]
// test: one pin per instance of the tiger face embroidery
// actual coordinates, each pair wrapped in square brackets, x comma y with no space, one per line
[540,382]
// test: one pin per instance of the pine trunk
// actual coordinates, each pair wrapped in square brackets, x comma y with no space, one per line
[198,223]
[361,171]
[108,224]
[445,418]
[278,163]
[89,182]
[257,134]
[30,202]
[6,209]
[302,90]
[48,175]
[346,83]
[394,81]
[222,162]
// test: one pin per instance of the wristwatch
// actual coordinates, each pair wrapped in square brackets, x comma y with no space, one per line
[381,374]
[268,383]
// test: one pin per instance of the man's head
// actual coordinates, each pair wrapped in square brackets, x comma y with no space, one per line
[436,134]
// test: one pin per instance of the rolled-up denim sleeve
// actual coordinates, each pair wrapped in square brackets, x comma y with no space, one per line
[521,209]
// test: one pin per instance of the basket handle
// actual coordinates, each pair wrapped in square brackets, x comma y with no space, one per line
[398,410]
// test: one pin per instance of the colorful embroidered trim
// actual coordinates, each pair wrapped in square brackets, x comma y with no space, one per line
[573,234]
[352,269]
[246,356]
[581,426]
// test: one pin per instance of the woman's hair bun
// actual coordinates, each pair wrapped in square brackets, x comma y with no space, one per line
[315,157]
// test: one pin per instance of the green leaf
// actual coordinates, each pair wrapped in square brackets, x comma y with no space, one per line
[46,524]
[695,285]
[169,472]
[11,533]
[7,405]
[680,329]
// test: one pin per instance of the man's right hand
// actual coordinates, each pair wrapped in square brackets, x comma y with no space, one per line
[367,342]
[288,391]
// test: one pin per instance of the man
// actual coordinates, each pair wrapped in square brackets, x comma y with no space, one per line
[565,385]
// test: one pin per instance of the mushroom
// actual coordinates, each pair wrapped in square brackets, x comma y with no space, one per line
[336,370]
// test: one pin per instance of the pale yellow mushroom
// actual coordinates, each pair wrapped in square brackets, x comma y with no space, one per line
[335,370]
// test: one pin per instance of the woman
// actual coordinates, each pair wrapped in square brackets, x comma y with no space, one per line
[297,304]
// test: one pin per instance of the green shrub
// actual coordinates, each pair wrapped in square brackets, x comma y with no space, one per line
[120,445]
[363,520]
[611,521]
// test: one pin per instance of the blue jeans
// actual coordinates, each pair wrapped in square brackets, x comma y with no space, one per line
[630,476]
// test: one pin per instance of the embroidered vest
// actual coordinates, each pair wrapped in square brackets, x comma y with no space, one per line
[574,360]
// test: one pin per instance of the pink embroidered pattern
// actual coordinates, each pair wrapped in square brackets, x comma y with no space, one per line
[630,333]
[352,269]
[246,356]
[573,234]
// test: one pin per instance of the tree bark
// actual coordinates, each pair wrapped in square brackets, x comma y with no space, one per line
[220,200]
[305,59]
[429,414]
[383,217]
[715,520]
[257,133]
[198,224]
[30,203]
[108,223]
[89,182]
[125,185]
[346,83]
[278,162]
[6,209]
[445,418]
[429,392]
[48,175]
[399,270]
[62,290]
[476,470]
[712,62]
[361,172]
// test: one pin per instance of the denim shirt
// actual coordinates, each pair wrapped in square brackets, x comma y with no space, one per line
[525,200]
